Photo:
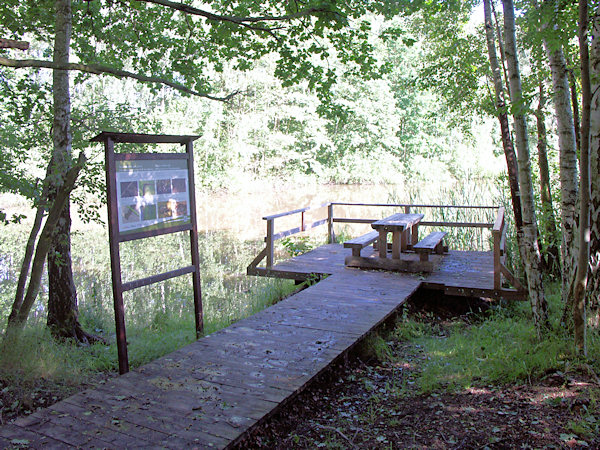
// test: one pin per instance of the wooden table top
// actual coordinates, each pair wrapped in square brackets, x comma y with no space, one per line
[397,222]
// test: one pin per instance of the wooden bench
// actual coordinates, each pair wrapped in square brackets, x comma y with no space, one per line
[357,244]
[434,242]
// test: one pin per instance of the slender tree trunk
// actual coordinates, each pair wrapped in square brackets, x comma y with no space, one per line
[579,319]
[26,264]
[594,280]
[575,105]
[551,252]
[532,261]
[62,294]
[509,152]
[568,166]
[501,48]
[17,320]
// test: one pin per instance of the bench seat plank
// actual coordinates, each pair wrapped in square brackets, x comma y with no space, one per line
[358,243]
[429,244]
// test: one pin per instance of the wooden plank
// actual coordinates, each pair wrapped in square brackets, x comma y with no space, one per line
[456,224]
[382,246]
[510,277]
[394,221]
[396,249]
[115,258]
[429,244]
[153,233]
[362,241]
[402,205]
[270,243]
[194,252]
[402,265]
[11,432]
[147,411]
[256,261]
[299,229]
[330,230]
[71,431]
[295,211]
[139,138]
[157,278]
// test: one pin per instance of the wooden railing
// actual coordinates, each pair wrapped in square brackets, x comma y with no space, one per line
[499,236]
[498,229]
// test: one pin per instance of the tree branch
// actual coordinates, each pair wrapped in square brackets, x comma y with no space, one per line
[11,43]
[238,20]
[106,70]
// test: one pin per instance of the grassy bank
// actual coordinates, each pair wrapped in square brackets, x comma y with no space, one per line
[449,376]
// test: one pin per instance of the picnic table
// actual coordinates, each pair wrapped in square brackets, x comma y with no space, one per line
[404,227]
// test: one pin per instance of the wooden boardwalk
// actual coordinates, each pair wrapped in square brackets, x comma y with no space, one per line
[213,391]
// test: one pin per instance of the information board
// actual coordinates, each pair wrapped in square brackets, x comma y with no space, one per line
[149,195]
[152,194]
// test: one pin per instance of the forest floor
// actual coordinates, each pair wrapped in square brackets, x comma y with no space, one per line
[371,402]
[378,404]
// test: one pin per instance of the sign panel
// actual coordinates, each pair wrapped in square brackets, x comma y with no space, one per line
[152,194]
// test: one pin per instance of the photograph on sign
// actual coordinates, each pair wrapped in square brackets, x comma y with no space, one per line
[152,194]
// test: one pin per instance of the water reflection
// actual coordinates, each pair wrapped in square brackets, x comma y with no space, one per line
[242,212]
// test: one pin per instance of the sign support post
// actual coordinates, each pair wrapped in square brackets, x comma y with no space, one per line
[149,194]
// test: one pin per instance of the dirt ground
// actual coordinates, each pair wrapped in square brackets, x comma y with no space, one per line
[376,404]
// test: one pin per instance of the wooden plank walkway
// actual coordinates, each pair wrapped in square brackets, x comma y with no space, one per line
[213,391]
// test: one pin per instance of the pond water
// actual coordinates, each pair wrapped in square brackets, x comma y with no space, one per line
[231,234]
[241,212]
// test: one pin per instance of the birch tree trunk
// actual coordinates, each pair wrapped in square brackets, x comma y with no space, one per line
[539,306]
[62,295]
[594,280]
[580,285]
[550,252]
[507,144]
[568,166]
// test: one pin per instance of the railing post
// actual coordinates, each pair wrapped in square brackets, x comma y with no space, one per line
[269,242]
[330,223]
[497,271]
[497,231]
[302,223]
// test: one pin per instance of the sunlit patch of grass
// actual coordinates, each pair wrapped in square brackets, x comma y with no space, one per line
[35,355]
[502,349]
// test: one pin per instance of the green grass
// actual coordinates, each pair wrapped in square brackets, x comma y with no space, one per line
[502,349]
[158,318]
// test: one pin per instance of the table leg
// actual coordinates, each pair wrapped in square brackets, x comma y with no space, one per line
[403,240]
[382,245]
[396,236]
[415,234]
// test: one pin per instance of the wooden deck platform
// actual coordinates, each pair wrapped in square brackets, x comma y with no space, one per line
[213,391]
[462,273]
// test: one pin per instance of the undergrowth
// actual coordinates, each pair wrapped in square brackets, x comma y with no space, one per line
[37,370]
[501,348]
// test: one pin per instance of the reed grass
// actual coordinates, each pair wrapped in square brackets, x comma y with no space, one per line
[471,192]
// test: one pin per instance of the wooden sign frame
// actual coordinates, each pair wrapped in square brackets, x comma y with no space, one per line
[117,234]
